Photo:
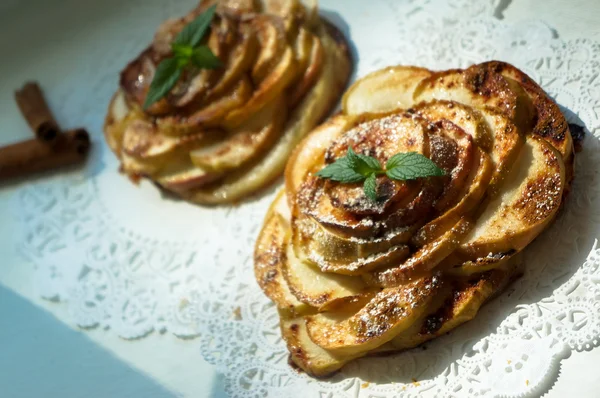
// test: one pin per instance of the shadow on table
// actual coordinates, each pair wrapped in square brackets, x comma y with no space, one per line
[41,357]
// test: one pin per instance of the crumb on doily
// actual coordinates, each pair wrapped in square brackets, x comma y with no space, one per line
[364,385]
[415,382]
[237,313]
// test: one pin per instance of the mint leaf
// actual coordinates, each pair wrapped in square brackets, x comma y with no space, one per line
[410,166]
[341,170]
[203,57]
[362,164]
[370,187]
[165,78]
[192,33]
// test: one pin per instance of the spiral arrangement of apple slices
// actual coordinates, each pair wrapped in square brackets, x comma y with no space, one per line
[352,276]
[222,134]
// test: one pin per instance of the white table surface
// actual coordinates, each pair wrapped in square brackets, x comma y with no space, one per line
[40,356]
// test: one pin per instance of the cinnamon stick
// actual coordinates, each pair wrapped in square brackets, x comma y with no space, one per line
[71,147]
[35,110]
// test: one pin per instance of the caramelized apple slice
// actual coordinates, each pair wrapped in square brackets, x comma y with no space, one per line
[311,150]
[460,306]
[345,256]
[424,260]
[390,312]
[309,73]
[273,43]
[183,177]
[307,355]
[471,196]
[316,288]
[270,88]
[462,116]
[550,124]
[239,60]
[270,255]
[244,143]
[490,129]
[529,200]
[477,88]
[386,90]
[210,115]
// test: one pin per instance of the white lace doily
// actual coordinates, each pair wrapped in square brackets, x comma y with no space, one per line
[126,259]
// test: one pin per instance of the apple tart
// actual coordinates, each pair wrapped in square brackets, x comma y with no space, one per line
[353,276]
[223,133]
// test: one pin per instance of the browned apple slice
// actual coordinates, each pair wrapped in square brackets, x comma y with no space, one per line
[424,260]
[386,90]
[409,134]
[346,256]
[491,130]
[305,353]
[270,255]
[479,89]
[529,200]
[142,140]
[390,312]
[208,116]
[471,195]
[317,288]
[244,143]
[453,151]
[550,124]
[461,115]
[311,150]
[270,88]
[240,59]
[459,307]
[309,73]
[184,178]
[273,44]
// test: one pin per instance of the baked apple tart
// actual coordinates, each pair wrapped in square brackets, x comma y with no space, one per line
[261,75]
[363,259]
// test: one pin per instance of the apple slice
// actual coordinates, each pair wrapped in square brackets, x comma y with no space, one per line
[478,88]
[339,255]
[390,312]
[471,195]
[465,117]
[529,200]
[208,116]
[246,142]
[309,73]
[383,91]
[270,255]
[550,124]
[311,150]
[269,89]
[318,289]
[424,260]
[307,355]
[184,178]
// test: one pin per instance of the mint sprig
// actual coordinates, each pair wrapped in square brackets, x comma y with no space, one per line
[356,167]
[187,53]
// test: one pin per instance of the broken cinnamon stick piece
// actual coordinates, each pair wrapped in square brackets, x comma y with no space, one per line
[36,112]
[35,155]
